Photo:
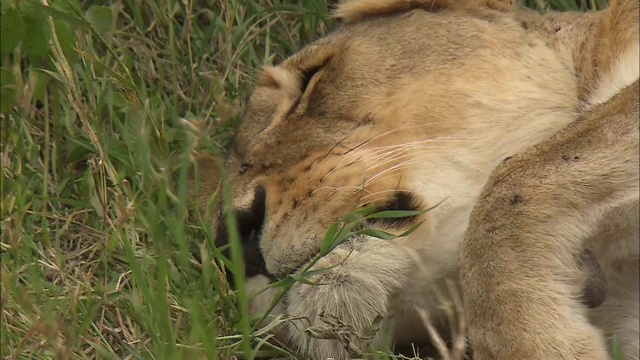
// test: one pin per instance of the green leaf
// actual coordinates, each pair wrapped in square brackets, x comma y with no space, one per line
[67,40]
[360,214]
[285,283]
[53,75]
[40,81]
[375,325]
[328,238]
[119,100]
[7,90]
[320,271]
[395,214]
[36,41]
[101,17]
[564,5]
[12,31]
[5,5]
[78,153]
[60,15]
[90,315]
[377,234]
[118,153]
[96,204]
[344,234]
[299,277]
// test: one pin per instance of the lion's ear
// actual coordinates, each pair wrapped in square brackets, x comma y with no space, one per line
[354,10]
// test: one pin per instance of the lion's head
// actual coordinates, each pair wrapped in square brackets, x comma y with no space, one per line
[370,114]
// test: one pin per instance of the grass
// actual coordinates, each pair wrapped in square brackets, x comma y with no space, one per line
[100,256]
[96,247]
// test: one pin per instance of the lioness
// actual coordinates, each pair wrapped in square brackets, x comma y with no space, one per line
[413,103]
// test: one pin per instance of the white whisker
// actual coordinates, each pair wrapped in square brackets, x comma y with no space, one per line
[390,170]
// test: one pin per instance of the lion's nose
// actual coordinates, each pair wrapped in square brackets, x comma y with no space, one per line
[250,221]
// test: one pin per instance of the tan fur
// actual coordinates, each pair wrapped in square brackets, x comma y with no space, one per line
[538,212]
[430,103]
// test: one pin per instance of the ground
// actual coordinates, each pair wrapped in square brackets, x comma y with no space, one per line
[103,104]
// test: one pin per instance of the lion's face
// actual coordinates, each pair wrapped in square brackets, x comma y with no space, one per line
[370,115]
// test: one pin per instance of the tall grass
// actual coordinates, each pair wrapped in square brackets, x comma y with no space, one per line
[100,257]
[96,244]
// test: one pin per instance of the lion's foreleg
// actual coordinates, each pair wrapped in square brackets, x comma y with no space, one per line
[520,268]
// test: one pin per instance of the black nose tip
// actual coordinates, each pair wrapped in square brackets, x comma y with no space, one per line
[250,223]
